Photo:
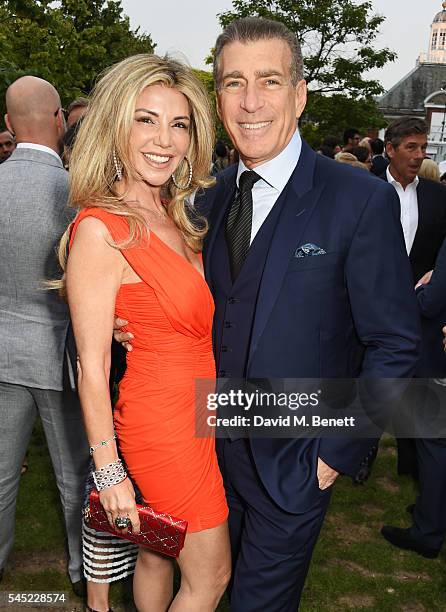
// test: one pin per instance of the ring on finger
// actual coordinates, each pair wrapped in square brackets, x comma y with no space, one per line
[122,522]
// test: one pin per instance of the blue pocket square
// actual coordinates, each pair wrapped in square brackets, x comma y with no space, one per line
[309,249]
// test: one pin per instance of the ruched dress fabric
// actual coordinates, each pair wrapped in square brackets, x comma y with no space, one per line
[170,315]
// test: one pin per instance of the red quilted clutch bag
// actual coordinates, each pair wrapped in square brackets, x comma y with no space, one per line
[162,533]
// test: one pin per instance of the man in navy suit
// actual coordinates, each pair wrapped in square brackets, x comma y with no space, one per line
[306,261]
[348,312]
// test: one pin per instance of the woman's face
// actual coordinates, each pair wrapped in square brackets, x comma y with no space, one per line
[160,133]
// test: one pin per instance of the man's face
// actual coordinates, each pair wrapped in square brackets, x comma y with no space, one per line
[7,145]
[354,142]
[256,101]
[406,159]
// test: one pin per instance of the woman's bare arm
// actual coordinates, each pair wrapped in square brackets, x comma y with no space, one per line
[93,276]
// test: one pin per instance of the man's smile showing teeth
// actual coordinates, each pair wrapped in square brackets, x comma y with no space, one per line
[255,126]
[159,159]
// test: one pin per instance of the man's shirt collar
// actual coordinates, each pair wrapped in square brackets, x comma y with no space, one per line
[393,181]
[38,147]
[277,171]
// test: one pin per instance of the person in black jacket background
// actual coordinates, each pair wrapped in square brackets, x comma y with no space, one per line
[428,531]
[379,162]
[423,218]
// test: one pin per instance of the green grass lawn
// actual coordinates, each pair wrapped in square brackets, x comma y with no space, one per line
[353,567]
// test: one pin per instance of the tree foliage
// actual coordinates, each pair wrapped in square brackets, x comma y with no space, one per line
[330,115]
[208,81]
[68,42]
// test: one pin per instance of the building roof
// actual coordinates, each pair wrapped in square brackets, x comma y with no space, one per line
[411,91]
[441,16]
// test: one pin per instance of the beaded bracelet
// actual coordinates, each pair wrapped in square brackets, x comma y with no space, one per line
[109,475]
[102,443]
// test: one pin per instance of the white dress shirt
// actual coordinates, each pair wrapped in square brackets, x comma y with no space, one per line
[274,174]
[409,208]
[38,147]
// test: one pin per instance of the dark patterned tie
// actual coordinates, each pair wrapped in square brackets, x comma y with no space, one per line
[239,223]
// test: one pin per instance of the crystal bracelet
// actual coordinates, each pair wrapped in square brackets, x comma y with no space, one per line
[102,443]
[109,475]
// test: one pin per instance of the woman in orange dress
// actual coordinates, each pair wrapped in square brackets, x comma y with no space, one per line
[145,145]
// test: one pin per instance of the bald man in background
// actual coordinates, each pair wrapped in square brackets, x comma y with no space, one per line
[34,322]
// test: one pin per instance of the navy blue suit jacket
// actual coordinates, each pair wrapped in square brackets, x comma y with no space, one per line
[351,312]
[432,302]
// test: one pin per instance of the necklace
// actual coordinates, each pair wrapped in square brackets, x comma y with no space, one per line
[160,213]
[162,216]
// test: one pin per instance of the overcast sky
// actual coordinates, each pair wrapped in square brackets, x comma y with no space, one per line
[189,28]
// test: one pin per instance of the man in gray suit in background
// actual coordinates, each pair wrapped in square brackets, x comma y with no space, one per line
[34,321]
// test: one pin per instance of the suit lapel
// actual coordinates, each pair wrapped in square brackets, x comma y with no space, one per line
[224,196]
[299,197]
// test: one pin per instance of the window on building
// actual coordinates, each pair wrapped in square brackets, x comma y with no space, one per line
[442,39]
[434,40]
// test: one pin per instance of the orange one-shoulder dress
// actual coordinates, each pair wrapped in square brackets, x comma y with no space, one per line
[170,315]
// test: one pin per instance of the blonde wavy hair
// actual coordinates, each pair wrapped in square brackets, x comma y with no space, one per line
[429,170]
[106,129]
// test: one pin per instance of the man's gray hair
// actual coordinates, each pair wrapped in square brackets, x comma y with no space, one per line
[402,127]
[252,29]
